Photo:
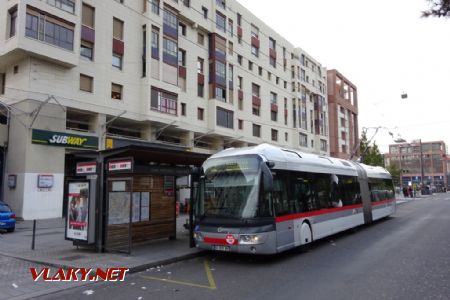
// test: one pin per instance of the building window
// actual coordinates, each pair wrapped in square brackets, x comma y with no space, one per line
[2,83]
[155,7]
[274,116]
[12,21]
[256,110]
[274,135]
[225,118]
[205,12]
[273,98]
[239,58]
[200,114]
[240,124]
[163,101]
[303,140]
[250,65]
[200,65]
[87,50]
[272,44]
[255,51]
[230,48]
[170,51]
[220,71]
[144,52]
[183,109]
[230,75]
[66,5]
[220,21]
[116,91]
[187,3]
[220,3]
[230,27]
[273,61]
[49,29]
[323,145]
[200,90]
[256,130]
[255,31]
[239,19]
[86,83]
[286,136]
[240,81]
[88,16]
[170,21]
[16,69]
[155,43]
[118,29]
[221,94]
[182,28]
[200,39]
[255,90]
[181,57]
[117,61]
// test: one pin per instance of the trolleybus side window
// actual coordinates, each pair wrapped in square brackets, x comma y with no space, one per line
[349,190]
[279,193]
[381,189]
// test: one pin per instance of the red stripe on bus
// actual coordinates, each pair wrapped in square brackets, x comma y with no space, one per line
[316,213]
[218,241]
[327,211]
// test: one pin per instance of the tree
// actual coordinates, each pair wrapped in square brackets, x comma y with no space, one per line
[439,8]
[370,155]
[395,173]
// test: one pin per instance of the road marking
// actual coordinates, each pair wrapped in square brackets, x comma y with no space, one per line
[212,283]
[211,286]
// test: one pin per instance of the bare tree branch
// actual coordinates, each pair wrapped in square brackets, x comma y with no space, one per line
[439,8]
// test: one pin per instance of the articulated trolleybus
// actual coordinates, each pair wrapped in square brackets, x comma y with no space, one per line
[265,199]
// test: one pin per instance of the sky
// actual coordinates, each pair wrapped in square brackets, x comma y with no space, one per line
[386,49]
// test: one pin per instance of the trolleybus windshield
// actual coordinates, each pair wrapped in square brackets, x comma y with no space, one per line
[231,187]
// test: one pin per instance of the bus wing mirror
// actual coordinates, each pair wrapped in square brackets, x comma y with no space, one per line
[267,179]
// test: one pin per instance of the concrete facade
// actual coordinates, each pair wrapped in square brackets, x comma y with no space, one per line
[198,74]
[406,158]
[343,110]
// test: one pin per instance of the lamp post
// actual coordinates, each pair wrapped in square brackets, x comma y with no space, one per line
[400,140]
[422,173]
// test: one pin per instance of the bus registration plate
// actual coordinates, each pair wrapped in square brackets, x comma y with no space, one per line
[221,248]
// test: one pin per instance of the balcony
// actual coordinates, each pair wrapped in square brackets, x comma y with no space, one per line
[42,35]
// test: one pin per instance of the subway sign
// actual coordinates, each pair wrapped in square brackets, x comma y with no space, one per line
[61,139]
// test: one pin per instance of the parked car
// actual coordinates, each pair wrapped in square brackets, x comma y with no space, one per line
[7,217]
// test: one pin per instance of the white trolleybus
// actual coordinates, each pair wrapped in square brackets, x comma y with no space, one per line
[265,199]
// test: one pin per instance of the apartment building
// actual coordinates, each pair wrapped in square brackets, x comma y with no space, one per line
[417,159]
[343,112]
[99,75]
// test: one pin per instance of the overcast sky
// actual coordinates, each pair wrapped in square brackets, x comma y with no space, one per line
[385,48]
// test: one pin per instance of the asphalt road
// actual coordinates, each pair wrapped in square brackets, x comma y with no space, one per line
[404,257]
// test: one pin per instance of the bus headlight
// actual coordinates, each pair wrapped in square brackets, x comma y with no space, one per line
[198,236]
[250,239]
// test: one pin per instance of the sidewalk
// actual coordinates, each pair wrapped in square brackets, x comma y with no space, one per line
[402,199]
[52,250]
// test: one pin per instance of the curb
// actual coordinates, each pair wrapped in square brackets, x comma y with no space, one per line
[132,270]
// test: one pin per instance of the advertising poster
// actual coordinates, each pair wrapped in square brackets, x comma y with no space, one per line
[78,211]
